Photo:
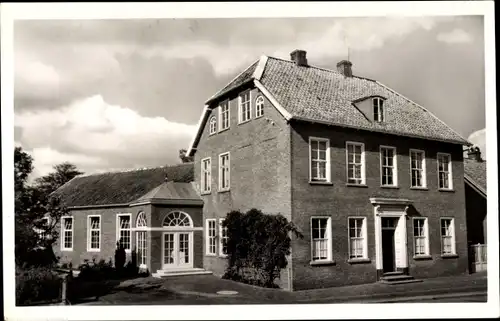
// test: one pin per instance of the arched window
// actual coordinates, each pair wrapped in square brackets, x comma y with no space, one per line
[177,218]
[213,125]
[259,107]
[141,220]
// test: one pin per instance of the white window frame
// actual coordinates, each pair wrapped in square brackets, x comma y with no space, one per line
[118,229]
[222,237]
[425,229]
[208,171]
[228,173]
[394,167]
[363,163]
[259,106]
[241,120]
[327,161]
[450,174]
[452,225]
[328,233]
[379,102]
[212,124]
[222,113]
[364,237]
[424,171]
[63,234]
[209,238]
[89,233]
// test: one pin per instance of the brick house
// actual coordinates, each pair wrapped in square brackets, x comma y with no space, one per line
[155,213]
[476,208]
[373,180]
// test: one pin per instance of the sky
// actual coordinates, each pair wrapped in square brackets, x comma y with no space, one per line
[120,94]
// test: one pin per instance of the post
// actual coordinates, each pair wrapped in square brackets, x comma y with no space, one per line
[64,290]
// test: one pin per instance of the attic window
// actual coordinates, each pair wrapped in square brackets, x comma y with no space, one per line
[213,125]
[378,109]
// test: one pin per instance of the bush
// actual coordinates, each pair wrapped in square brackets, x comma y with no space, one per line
[257,246]
[37,285]
[96,271]
[120,256]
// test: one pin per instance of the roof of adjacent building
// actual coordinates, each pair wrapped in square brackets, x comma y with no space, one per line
[475,174]
[320,95]
[125,187]
[177,191]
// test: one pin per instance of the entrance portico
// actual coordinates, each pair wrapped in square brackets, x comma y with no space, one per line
[391,240]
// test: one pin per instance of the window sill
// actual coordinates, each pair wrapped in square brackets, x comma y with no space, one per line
[389,186]
[449,256]
[211,255]
[419,188]
[358,260]
[66,250]
[223,256]
[422,257]
[256,117]
[244,122]
[223,130]
[223,190]
[449,190]
[212,134]
[320,263]
[356,185]
[205,193]
[93,250]
[320,183]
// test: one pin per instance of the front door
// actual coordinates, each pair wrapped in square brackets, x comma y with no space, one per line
[388,251]
[177,250]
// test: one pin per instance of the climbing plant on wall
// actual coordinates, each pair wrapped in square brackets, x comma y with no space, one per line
[257,246]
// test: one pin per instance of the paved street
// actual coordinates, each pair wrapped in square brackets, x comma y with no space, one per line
[202,289]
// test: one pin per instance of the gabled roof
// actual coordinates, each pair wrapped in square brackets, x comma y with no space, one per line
[475,174]
[171,192]
[313,94]
[120,188]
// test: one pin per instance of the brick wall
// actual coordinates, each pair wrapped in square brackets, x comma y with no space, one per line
[339,201]
[108,234]
[259,165]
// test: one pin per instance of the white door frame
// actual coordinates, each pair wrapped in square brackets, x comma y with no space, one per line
[176,264]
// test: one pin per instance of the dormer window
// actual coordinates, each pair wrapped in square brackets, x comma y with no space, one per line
[213,125]
[378,109]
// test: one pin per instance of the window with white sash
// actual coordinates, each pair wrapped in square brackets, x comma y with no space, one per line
[444,171]
[357,238]
[224,172]
[123,235]
[259,107]
[321,238]
[213,125]
[222,238]
[319,159]
[355,153]
[420,236]
[388,166]
[378,109]
[417,168]
[94,233]
[447,236]
[206,175]
[224,116]
[244,107]
[210,236]
[67,233]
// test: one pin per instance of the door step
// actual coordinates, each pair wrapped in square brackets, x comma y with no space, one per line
[180,272]
[397,278]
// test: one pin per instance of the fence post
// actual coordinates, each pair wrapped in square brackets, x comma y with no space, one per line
[64,289]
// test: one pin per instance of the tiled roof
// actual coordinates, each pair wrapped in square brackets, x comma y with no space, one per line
[120,187]
[242,78]
[320,95]
[171,191]
[476,171]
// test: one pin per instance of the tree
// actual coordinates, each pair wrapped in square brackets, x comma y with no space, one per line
[184,158]
[62,173]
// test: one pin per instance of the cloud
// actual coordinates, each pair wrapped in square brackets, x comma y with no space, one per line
[96,135]
[478,138]
[454,36]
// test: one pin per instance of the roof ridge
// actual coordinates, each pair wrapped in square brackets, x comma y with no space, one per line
[423,108]
[129,170]
[324,69]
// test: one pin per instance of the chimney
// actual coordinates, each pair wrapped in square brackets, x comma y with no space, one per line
[344,67]
[299,57]
[474,153]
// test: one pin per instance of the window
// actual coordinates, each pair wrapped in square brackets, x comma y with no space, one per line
[447,236]
[320,238]
[224,116]
[417,164]
[319,155]
[93,233]
[222,238]
[388,166]
[420,232]
[444,171]
[67,233]
[141,220]
[123,230]
[224,173]
[378,109]
[357,238]
[141,241]
[177,218]
[259,107]
[245,111]
[206,175]
[355,163]
[210,237]
[213,125]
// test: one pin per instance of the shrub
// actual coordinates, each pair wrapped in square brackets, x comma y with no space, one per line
[36,285]
[257,246]
[120,256]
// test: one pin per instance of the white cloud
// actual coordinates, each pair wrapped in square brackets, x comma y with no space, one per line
[100,136]
[478,138]
[454,36]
